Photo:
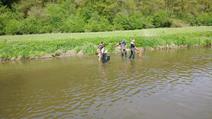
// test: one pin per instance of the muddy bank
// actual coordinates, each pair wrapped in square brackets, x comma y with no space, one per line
[57,54]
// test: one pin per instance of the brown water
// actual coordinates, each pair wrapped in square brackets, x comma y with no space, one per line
[174,84]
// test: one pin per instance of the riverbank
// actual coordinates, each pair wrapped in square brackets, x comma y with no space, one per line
[41,46]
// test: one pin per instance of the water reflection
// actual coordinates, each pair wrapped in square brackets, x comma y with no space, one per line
[158,85]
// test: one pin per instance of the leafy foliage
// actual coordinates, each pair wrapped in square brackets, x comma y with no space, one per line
[46,16]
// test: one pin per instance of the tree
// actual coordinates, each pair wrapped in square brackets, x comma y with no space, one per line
[100,15]
[8,3]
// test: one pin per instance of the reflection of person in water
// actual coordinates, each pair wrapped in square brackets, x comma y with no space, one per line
[102,71]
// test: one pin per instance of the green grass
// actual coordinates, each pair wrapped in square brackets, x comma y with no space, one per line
[36,45]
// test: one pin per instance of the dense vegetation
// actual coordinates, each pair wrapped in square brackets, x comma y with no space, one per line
[47,16]
[32,46]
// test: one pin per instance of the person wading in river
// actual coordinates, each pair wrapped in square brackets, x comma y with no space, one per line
[105,57]
[122,45]
[132,49]
[102,53]
[99,50]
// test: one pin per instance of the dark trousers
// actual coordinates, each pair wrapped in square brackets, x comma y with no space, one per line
[105,58]
[123,53]
[132,54]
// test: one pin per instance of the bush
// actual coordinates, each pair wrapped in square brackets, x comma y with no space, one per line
[161,19]
[134,21]
[178,23]
[73,24]
[31,25]
[97,23]
[56,14]
[147,22]
[205,19]
[13,27]
[1,27]
[122,22]
[192,20]
[8,22]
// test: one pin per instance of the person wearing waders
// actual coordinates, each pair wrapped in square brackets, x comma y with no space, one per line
[123,48]
[132,49]
[105,57]
[99,50]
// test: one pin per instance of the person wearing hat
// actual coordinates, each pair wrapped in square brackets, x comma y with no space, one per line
[132,49]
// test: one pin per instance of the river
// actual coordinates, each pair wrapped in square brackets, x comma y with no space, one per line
[174,84]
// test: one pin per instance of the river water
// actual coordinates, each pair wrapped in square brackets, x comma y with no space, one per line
[174,84]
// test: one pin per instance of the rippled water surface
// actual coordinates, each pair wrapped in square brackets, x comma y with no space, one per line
[175,84]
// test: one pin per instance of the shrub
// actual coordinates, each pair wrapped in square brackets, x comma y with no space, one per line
[140,21]
[31,25]
[131,22]
[73,24]
[161,19]
[98,23]
[205,19]
[8,22]
[122,22]
[13,27]
[1,27]
[56,14]
[178,23]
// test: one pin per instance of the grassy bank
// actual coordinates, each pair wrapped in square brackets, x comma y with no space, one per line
[31,46]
